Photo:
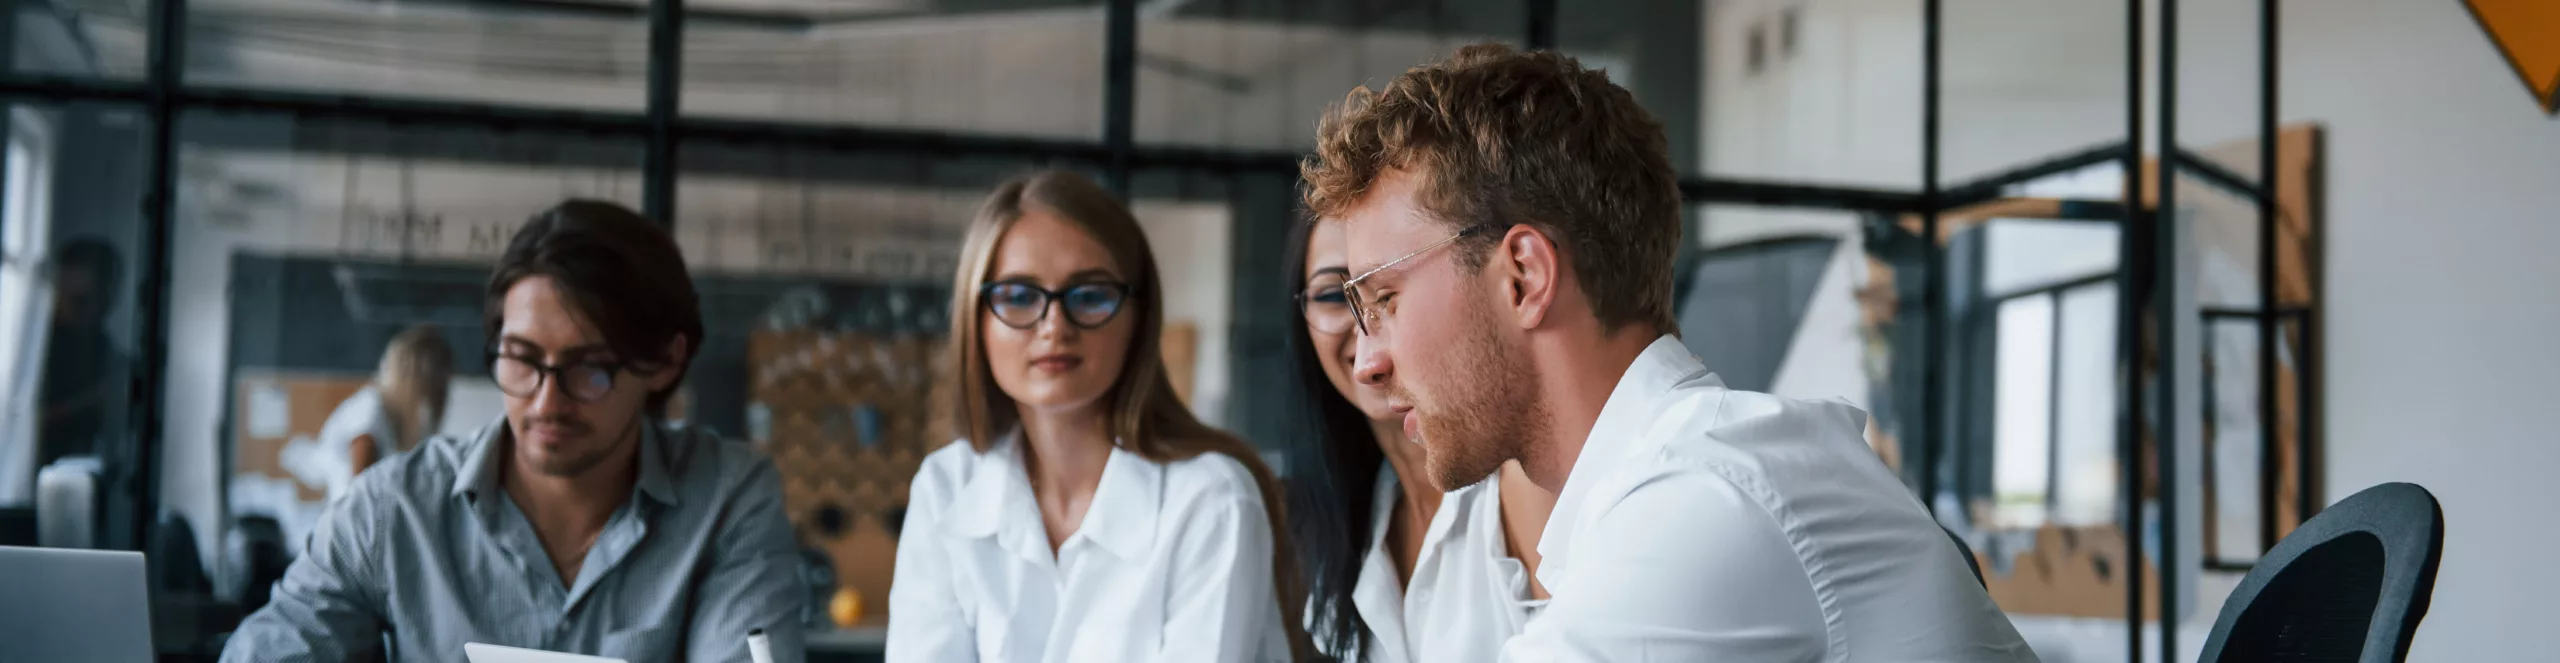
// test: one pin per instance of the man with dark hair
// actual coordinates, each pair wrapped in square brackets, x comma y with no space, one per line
[1512,220]
[579,522]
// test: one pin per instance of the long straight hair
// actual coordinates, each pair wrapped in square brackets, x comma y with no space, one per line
[1336,501]
[1147,419]
[414,380]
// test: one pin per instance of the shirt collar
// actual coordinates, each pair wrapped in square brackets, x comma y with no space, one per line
[655,481]
[1123,515]
[1121,519]
[1624,420]
[483,458]
[479,470]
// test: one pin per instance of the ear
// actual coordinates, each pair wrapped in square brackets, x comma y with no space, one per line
[679,349]
[1533,273]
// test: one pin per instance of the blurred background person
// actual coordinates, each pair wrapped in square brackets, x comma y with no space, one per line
[1397,571]
[403,406]
[1086,515]
[84,368]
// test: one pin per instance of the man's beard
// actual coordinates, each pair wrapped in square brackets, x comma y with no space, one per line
[1489,412]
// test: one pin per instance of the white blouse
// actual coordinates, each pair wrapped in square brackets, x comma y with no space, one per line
[1468,594]
[1171,563]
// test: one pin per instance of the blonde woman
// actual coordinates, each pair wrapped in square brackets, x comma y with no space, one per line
[404,405]
[1086,515]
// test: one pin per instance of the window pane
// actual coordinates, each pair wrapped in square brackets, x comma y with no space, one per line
[81,39]
[301,249]
[71,275]
[2219,91]
[2023,414]
[575,55]
[2085,408]
[2002,109]
[1258,75]
[1031,69]
[2224,225]
[2235,438]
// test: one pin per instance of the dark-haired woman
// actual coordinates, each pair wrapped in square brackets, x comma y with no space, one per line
[1398,571]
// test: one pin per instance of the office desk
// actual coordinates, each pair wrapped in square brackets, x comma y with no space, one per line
[860,644]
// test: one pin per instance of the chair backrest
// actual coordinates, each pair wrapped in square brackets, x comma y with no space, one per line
[67,493]
[2348,585]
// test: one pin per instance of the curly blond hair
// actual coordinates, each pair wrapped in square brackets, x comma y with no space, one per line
[1498,135]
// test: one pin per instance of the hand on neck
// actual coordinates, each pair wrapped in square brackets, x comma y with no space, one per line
[1578,369]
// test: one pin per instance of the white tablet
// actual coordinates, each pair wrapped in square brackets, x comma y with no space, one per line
[480,653]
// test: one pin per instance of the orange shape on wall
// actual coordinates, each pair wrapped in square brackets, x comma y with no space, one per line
[2528,32]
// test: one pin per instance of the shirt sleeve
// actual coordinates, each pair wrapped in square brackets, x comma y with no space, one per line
[328,606]
[1219,599]
[754,582]
[1684,568]
[926,623]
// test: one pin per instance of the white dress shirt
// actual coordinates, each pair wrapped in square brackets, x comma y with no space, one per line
[1704,524]
[1468,594]
[1171,563]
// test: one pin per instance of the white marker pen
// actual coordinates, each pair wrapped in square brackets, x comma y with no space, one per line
[758,648]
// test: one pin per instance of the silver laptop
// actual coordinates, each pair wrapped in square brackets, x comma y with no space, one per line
[60,604]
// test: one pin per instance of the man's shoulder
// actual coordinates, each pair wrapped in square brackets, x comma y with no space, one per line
[696,454]
[1210,475]
[1749,432]
[1771,450]
[428,470]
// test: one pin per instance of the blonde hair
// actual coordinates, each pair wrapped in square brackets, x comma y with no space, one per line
[414,379]
[1146,418]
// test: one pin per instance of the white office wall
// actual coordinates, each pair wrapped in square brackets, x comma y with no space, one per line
[2440,284]
[2439,267]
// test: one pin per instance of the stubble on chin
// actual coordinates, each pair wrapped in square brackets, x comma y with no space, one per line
[1492,411]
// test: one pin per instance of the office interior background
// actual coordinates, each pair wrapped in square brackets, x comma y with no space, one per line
[2333,271]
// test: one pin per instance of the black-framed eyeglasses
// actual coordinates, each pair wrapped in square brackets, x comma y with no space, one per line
[1020,305]
[1365,312]
[583,381]
[1327,309]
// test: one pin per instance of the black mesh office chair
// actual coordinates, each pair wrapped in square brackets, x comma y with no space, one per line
[2349,585]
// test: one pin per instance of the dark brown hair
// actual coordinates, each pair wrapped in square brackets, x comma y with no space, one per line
[1147,419]
[619,271]
[1502,136]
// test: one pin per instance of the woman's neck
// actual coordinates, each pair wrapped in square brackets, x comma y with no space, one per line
[1525,508]
[1411,468]
[1419,501]
[1063,455]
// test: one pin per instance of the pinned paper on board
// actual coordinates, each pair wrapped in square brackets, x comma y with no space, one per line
[270,410]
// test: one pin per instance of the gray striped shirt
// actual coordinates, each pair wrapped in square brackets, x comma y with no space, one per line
[427,553]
